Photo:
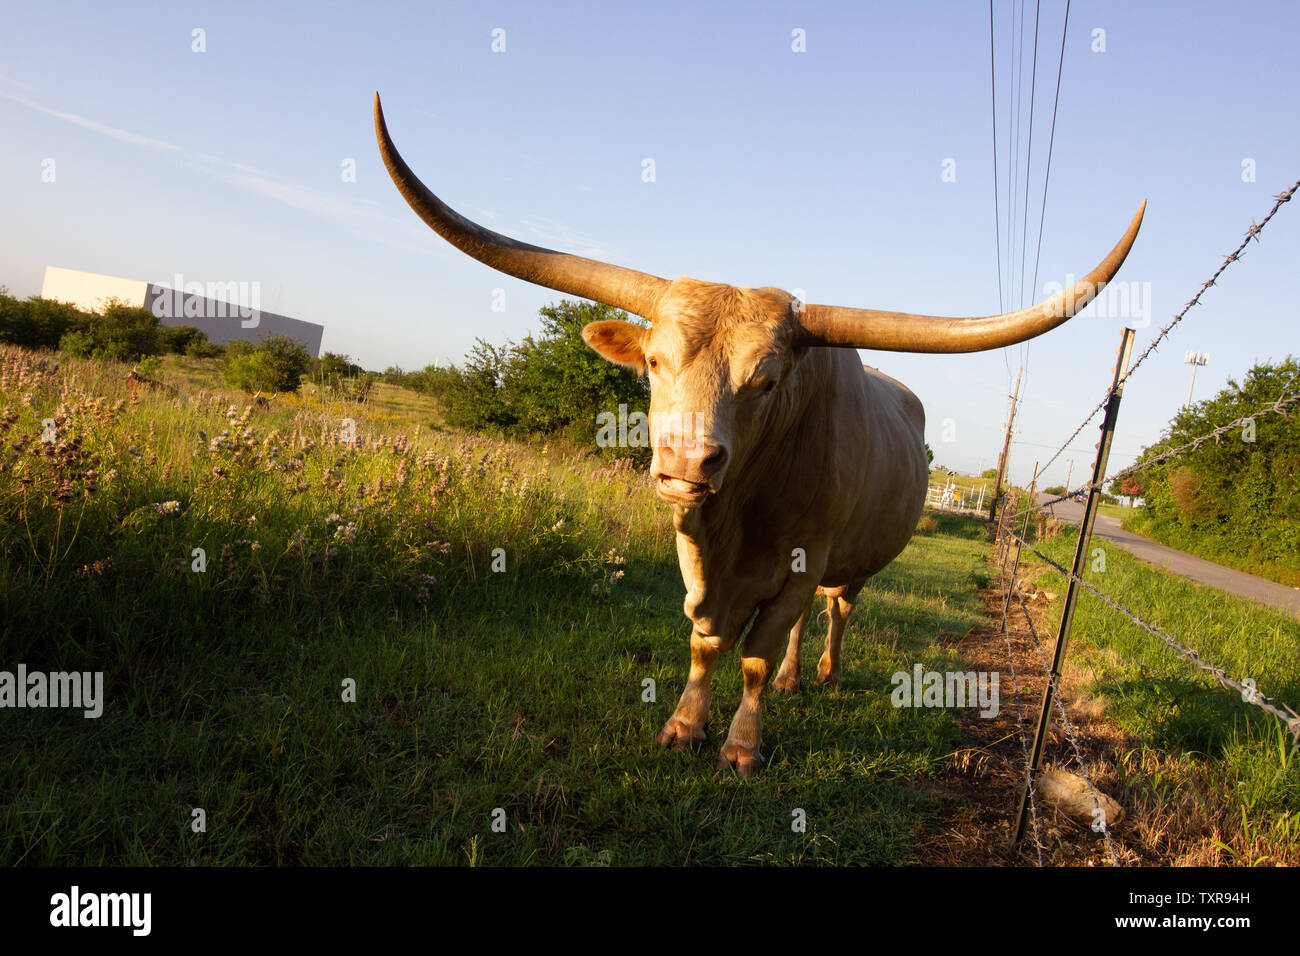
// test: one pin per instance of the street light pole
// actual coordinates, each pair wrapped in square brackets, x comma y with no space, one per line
[1194,359]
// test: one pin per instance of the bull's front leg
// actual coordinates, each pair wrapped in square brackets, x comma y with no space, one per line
[685,728]
[762,647]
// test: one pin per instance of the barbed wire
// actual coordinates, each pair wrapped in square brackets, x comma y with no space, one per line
[1278,407]
[1069,729]
[1249,695]
[1251,233]
[1091,415]
[1020,724]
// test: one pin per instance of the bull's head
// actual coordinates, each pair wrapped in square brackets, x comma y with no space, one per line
[718,355]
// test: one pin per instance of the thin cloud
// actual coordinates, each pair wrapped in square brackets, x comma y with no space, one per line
[121,135]
[564,238]
[240,175]
[18,83]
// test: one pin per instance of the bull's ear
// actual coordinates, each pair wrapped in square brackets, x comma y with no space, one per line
[618,342]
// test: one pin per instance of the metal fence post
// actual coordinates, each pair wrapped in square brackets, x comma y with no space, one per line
[1080,554]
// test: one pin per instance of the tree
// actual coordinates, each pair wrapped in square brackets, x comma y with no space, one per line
[929,455]
[547,384]
[1236,499]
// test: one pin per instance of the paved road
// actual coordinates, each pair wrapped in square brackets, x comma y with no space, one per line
[1180,562]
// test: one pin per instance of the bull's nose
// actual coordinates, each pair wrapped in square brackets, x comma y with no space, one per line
[696,460]
[714,461]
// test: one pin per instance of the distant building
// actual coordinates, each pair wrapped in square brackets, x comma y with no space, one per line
[223,311]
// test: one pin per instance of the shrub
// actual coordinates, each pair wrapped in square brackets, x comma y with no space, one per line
[276,364]
[125,332]
[184,340]
[77,344]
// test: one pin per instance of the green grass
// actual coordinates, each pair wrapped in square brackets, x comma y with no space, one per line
[1115,511]
[1222,769]
[475,691]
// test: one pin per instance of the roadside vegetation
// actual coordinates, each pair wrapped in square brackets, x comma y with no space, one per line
[1235,501]
[1207,779]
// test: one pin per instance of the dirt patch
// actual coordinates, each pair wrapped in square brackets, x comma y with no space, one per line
[983,784]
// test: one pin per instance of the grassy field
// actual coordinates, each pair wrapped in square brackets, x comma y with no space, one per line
[517,695]
[1121,512]
[347,545]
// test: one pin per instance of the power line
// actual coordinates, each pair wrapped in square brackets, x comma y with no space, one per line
[1029,157]
[997,220]
[1050,142]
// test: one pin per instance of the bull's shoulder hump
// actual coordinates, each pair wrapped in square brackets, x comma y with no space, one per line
[890,388]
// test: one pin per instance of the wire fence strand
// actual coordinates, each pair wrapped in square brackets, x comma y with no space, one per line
[1251,233]
[1249,694]
[1020,726]
[1278,407]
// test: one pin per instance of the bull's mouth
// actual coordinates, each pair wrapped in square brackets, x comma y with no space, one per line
[680,491]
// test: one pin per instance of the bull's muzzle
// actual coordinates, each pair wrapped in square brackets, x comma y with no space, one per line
[686,469]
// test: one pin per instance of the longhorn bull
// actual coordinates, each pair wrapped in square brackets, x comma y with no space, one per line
[793,449]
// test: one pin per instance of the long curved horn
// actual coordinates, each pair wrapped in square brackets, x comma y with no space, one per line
[635,292]
[904,332]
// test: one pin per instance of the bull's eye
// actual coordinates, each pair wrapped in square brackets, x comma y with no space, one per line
[652,362]
[767,389]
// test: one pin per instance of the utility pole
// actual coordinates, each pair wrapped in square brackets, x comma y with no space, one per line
[1006,448]
[1067,476]
[1194,359]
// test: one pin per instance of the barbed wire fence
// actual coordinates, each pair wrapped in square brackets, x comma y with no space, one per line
[1246,688]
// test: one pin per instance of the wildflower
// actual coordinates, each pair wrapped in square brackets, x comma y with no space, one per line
[167,507]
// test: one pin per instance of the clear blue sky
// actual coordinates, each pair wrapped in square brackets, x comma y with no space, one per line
[818,170]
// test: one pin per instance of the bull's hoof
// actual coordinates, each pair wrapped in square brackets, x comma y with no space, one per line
[744,760]
[788,686]
[826,676]
[679,735]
